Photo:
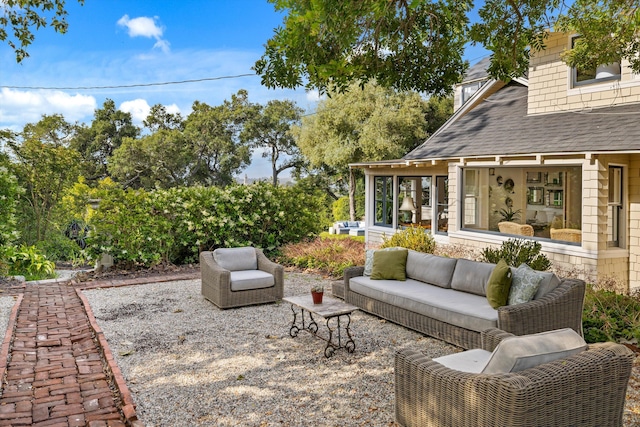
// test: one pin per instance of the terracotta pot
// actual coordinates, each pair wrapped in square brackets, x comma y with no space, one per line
[317,297]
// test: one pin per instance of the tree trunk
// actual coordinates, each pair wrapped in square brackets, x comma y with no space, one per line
[352,195]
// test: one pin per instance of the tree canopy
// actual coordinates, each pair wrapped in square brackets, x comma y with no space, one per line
[18,19]
[418,44]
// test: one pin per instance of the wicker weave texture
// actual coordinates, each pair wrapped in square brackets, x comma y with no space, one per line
[509,227]
[586,390]
[216,283]
[560,308]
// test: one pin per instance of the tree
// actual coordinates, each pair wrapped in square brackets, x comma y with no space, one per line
[269,129]
[158,119]
[214,136]
[45,166]
[362,125]
[97,143]
[400,44]
[19,17]
[419,44]
[9,193]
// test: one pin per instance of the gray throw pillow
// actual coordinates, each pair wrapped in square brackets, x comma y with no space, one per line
[524,284]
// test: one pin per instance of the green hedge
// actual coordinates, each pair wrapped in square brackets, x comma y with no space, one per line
[175,225]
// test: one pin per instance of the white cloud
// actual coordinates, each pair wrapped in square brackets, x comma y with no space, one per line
[138,108]
[144,26]
[19,107]
[313,95]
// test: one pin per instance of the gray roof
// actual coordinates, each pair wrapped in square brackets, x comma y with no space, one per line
[500,126]
[478,70]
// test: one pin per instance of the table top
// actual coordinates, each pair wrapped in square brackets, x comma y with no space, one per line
[330,306]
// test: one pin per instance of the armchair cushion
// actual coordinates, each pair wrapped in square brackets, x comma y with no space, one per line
[236,259]
[518,353]
[251,279]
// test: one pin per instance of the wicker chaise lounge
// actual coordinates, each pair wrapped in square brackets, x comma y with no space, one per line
[235,277]
[586,389]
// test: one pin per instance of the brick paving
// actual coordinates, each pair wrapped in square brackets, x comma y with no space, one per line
[56,366]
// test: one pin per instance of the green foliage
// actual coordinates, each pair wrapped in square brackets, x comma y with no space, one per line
[174,225]
[609,316]
[509,214]
[415,238]
[332,43]
[19,17]
[326,235]
[27,261]
[59,247]
[327,255]
[341,208]
[516,252]
[9,192]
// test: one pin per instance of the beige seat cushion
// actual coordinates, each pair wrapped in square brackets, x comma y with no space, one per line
[251,279]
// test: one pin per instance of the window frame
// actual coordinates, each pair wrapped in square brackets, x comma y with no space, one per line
[386,201]
[574,72]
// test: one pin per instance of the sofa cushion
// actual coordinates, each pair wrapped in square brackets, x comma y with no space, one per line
[457,308]
[251,279]
[524,285]
[234,259]
[548,283]
[472,361]
[471,276]
[368,258]
[527,351]
[432,269]
[389,265]
[499,285]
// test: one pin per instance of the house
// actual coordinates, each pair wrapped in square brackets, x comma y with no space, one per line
[556,153]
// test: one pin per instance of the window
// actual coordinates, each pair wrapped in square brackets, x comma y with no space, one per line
[383,201]
[469,89]
[586,76]
[614,214]
[546,201]
[442,203]
[414,201]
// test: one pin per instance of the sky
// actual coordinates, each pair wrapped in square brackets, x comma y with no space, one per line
[124,42]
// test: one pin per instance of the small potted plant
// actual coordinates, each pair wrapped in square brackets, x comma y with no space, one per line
[316,293]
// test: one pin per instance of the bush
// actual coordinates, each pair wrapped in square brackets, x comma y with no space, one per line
[516,252]
[329,256]
[608,316]
[340,208]
[415,238]
[174,225]
[27,261]
[326,235]
[9,192]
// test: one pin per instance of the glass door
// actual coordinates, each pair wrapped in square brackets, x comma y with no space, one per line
[442,203]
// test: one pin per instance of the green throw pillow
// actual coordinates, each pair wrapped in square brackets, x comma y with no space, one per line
[499,285]
[389,265]
[525,284]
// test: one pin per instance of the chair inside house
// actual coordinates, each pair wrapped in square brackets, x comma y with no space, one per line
[548,379]
[236,277]
[509,227]
[566,234]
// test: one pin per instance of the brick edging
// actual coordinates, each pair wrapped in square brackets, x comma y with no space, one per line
[115,283]
[8,336]
[128,406]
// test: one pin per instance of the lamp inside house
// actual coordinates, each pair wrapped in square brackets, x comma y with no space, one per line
[407,207]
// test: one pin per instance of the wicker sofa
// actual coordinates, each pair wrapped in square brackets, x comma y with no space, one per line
[586,389]
[446,298]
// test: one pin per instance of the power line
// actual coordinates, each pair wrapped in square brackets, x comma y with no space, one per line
[206,79]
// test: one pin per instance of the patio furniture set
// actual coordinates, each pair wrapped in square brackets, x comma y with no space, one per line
[526,364]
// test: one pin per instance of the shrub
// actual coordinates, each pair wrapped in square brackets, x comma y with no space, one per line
[340,208]
[174,225]
[609,316]
[326,235]
[27,261]
[327,255]
[9,192]
[516,252]
[415,238]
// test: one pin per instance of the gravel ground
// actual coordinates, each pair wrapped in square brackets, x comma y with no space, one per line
[6,304]
[189,363]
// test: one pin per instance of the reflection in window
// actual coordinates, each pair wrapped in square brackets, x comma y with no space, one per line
[545,201]
[614,213]
[383,201]
[585,76]
[414,201]
[442,203]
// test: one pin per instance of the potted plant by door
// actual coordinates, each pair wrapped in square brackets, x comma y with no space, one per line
[316,293]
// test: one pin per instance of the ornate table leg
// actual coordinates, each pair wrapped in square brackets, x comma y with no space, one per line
[293,332]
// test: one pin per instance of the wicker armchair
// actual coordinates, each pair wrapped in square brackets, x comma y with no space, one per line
[586,389]
[249,288]
[509,227]
[566,234]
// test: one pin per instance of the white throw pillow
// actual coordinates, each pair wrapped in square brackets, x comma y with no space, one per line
[527,351]
[524,284]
